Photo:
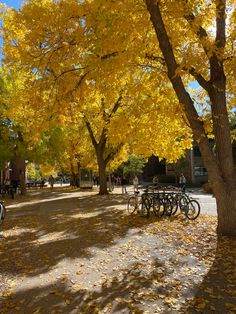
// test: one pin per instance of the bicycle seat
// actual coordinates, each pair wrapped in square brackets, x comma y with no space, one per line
[136,192]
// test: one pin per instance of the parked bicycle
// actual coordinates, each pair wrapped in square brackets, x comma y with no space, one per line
[139,203]
[160,203]
[190,208]
[167,200]
[187,205]
[164,201]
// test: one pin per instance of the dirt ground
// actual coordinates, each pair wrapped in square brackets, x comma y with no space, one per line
[70,251]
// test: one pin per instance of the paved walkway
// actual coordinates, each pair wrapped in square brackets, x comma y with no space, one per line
[77,252]
[207,202]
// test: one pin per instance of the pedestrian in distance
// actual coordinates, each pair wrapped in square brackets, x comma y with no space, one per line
[124,185]
[155,181]
[118,181]
[135,183]
[7,185]
[113,180]
[51,181]
[182,182]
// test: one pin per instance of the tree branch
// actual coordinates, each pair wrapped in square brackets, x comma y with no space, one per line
[111,155]
[68,71]
[200,31]
[80,80]
[109,55]
[220,23]
[116,106]
[155,58]
[89,128]
[179,88]
[200,79]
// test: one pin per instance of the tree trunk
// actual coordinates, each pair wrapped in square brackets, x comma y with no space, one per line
[73,175]
[73,179]
[20,163]
[226,209]
[102,174]
[220,167]
[100,146]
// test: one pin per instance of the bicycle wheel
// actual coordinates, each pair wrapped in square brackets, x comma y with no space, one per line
[145,207]
[158,207]
[132,205]
[167,207]
[193,210]
[2,212]
[183,202]
[174,205]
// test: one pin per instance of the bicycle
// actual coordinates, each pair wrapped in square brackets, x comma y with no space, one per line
[193,210]
[188,206]
[139,203]
[158,202]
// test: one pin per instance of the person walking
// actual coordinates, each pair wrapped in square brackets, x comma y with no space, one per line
[135,183]
[7,185]
[155,182]
[51,181]
[182,182]
[124,185]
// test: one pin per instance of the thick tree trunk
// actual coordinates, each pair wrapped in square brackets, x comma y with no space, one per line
[220,167]
[74,177]
[226,209]
[100,146]
[102,174]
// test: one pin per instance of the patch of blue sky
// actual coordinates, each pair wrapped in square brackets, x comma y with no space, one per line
[202,106]
[194,85]
[13,3]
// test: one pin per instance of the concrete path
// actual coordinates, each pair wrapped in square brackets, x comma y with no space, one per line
[207,201]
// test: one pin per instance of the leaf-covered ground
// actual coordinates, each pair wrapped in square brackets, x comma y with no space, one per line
[77,252]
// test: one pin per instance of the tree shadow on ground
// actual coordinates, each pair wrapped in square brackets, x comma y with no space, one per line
[40,235]
[217,292]
[128,291]
[73,228]
[136,289]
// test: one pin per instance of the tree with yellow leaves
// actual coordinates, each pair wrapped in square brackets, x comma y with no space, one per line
[194,43]
[72,62]
[202,48]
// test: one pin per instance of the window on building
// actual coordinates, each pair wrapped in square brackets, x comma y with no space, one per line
[200,171]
